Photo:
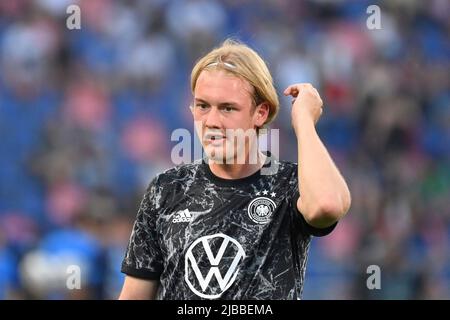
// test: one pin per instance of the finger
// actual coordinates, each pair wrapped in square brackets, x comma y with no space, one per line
[287,91]
[295,89]
[291,90]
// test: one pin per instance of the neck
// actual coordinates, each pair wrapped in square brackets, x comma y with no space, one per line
[237,171]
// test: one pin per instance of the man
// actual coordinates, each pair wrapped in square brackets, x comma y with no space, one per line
[219,227]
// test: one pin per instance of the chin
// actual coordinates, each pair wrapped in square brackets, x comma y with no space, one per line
[218,154]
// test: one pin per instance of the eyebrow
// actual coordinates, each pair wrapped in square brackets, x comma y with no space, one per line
[234,104]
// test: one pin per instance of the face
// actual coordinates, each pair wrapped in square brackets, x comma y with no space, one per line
[225,115]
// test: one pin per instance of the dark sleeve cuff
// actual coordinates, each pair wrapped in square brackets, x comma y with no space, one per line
[140,273]
[317,232]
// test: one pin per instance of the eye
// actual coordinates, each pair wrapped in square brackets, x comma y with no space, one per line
[228,109]
[201,106]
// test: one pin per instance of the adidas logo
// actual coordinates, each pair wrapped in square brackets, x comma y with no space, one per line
[182,216]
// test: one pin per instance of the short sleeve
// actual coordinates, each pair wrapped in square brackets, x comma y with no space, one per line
[301,223]
[297,217]
[143,258]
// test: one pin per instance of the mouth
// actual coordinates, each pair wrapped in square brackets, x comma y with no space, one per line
[215,138]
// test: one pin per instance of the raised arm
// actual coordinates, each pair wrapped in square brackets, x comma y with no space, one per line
[324,195]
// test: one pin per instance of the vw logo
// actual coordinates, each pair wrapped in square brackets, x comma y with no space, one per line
[223,265]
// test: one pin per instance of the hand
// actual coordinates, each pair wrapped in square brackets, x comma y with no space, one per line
[306,104]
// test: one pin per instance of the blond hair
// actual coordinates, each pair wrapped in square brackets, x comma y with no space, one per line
[242,61]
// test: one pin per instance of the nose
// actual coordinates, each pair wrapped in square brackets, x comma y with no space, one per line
[213,118]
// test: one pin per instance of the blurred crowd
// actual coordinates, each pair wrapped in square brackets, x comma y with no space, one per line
[86,118]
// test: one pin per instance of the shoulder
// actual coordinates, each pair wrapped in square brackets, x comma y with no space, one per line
[286,168]
[169,184]
[178,174]
[287,165]
[285,175]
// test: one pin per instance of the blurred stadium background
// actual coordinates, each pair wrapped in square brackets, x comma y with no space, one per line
[86,117]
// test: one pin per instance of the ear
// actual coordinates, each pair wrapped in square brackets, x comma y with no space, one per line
[192,109]
[261,114]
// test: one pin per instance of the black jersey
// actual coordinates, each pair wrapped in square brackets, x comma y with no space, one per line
[204,237]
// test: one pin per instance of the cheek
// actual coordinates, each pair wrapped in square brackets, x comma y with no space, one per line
[199,125]
[196,115]
[252,120]
[199,119]
[243,118]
